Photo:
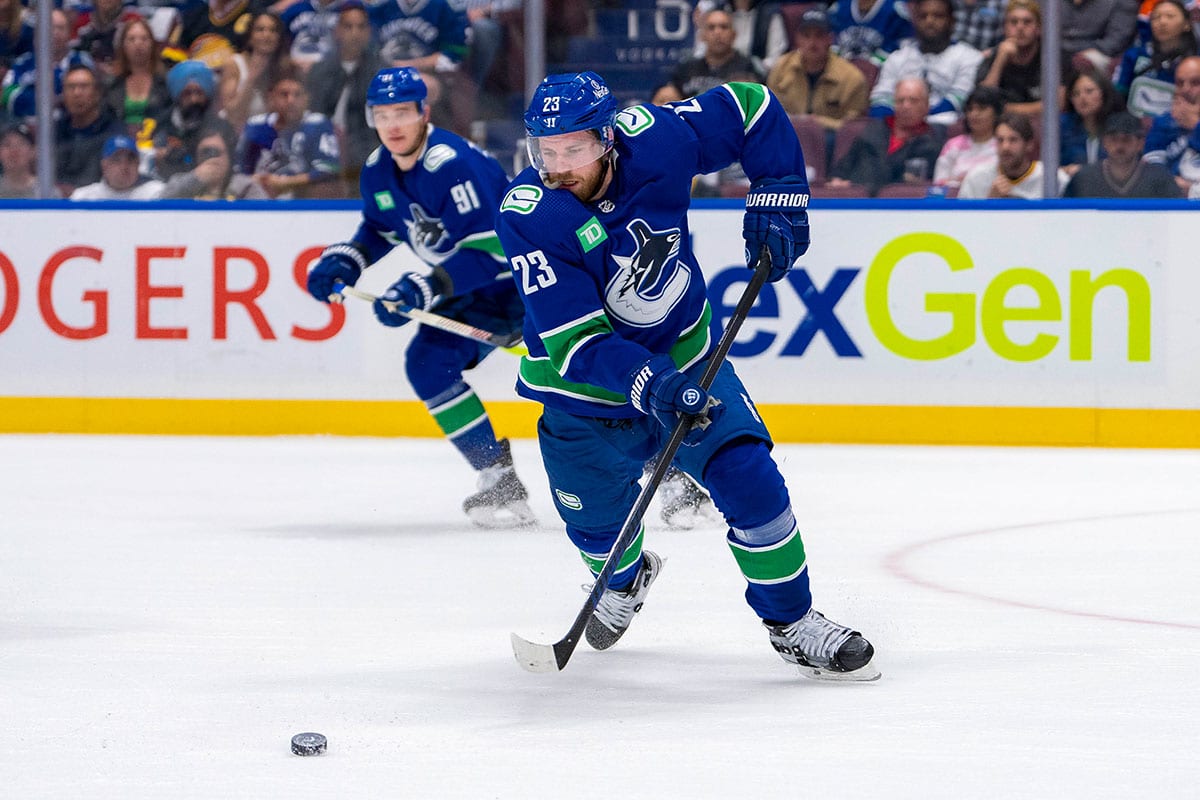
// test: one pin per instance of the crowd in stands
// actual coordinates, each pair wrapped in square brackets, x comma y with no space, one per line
[239,99]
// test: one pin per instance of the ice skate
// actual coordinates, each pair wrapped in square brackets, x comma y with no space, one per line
[615,610]
[683,504]
[501,499]
[823,649]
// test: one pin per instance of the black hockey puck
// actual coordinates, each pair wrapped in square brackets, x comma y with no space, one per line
[308,744]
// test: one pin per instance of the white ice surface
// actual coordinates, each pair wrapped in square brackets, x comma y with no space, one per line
[172,610]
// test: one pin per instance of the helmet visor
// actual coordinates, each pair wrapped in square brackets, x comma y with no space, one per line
[566,151]
[393,114]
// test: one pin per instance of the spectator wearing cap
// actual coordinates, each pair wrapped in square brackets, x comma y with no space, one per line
[1015,65]
[1016,173]
[337,87]
[119,177]
[814,81]
[192,86]
[948,67]
[18,179]
[81,132]
[720,63]
[1122,173]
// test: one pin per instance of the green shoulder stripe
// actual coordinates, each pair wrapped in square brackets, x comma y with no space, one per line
[751,99]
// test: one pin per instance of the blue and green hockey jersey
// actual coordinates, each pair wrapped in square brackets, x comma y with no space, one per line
[444,208]
[608,284]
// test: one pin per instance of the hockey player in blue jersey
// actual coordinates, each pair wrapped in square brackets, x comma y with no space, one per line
[437,193]
[618,329]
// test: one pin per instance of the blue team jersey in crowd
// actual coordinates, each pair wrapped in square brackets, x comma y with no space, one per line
[610,283]
[444,208]
[310,148]
[873,34]
[407,29]
[19,90]
[311,25]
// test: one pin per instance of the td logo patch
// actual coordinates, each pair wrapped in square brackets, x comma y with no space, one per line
[384,201]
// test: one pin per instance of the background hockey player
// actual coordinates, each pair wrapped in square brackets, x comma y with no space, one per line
[438,193]
[618,328]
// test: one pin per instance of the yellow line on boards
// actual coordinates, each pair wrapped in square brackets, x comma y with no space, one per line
[951,425]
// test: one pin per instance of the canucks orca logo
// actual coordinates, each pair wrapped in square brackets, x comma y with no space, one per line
[649,283]
[427,236]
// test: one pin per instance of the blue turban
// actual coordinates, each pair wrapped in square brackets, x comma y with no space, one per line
[186,72]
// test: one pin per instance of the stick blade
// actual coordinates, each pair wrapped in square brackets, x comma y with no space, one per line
[534,657]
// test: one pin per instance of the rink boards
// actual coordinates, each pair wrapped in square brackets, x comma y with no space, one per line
[907,322]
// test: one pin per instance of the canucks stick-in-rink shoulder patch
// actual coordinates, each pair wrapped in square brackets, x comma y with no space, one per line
[438,155]
[384,201]
[568,500]
[374,157]
[521,199]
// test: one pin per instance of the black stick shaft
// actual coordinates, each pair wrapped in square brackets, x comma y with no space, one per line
[633,523]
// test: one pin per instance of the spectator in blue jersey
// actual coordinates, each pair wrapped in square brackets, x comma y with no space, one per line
[310,25]
[719,64]
[1122,173]
[618,329]
[337,87]
[1146,76]
[430,37]
[19,90]
[80,133]
[438,194]
[1091,100]
[870,30]
[290,151]
[1174,137]
[948,67]
[16,33]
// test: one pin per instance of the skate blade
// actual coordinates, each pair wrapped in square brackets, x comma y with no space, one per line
[864,674]
[514,515]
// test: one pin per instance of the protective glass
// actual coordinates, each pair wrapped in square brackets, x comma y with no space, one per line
[387,116]
[566,151]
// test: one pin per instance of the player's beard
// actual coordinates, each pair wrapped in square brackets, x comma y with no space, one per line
[587,187]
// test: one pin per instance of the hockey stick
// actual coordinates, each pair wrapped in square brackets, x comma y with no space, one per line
[507,341]
[551,658]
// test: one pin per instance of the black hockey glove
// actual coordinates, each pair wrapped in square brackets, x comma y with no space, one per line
[777,216]
[659,390]
[413,290]
[339,263]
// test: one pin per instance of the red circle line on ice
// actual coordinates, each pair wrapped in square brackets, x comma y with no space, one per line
[894,563]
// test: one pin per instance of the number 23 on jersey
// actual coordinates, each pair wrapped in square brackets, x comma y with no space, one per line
[535,271]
